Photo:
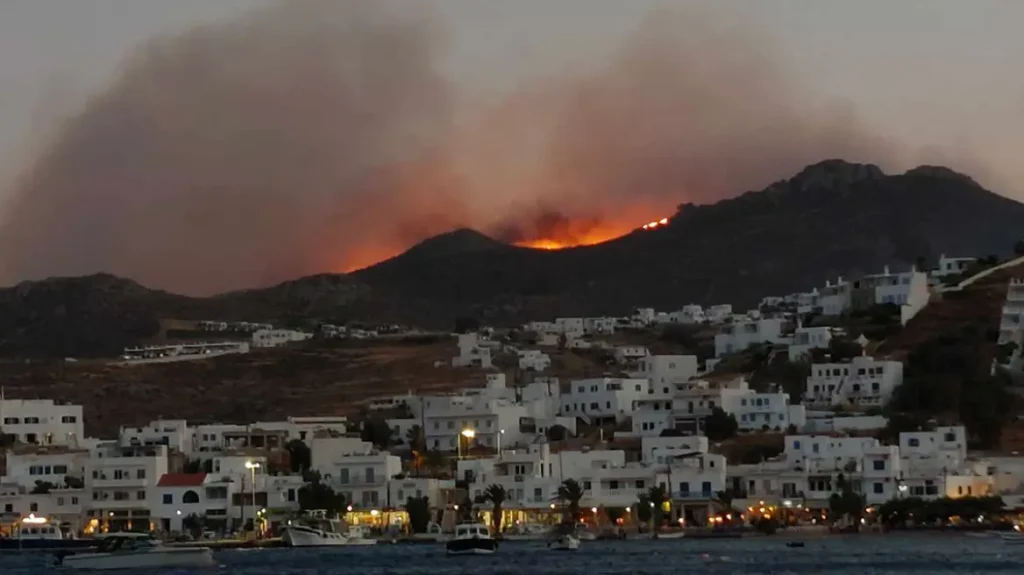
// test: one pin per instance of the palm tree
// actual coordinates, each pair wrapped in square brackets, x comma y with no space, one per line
[496,495]
[416,440]
[656,496]
[570,492]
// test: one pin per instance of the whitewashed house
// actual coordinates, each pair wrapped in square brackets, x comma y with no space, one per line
[909,290]
[361,477]
[41,421]
[861,382]
[57,507]
[278,337]
[29,465]
[448,419]
[1011,324]
[602,399]
[533,360]
[174,433]
[178,496]
[807,338]
[836,299]
[472,352]
[936,464]
[718,313]
[736,337]
[666,370]
[599,325]
[952,266]
[120,483]
[630,354]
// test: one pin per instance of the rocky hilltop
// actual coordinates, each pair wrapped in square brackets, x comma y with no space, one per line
[833,218]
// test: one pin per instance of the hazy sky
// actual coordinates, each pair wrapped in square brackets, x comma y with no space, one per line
[939,78]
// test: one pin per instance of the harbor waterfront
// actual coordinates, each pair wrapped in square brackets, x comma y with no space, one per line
[838,555]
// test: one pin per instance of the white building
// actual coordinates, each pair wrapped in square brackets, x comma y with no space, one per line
[599,325]
[862,382]
[739,336]
[1011,325]
[533,360]
[952,266]
[602,399]
[178,496]
[909,290]
[28,466]
[630,354]
[836,299]
[753,410]
[41,421]
[174,433]
[278,337]
[472,352]
[61,506]
[361,477]
[490,422]
[718,313]
[807,338]
[120,482]
[664,370]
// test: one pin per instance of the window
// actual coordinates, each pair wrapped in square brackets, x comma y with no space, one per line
[949,437]
[914,442]
[11,421]
[190,497]
[705,488]
[8,508]
[140,495]
[60,469]
[74,501]
[33,506]
[879,465]
[140,474]
[69,419]
[168,499]
[684,488]
[879,488]
[60,502]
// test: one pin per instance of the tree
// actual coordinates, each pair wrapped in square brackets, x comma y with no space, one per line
[317,495]
[42,487]
[656,500]
[846,504]
[557,433]
[418,509]
[74,482]
[193,525]
[570,493]
[495,494]
[299,455]
[417,441]
[376,431]
[644,509]
[720,425]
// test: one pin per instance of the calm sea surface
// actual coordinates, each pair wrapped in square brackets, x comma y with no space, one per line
[862,555]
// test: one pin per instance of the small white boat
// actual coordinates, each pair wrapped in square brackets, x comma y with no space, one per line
[316,530]
[672,535]
[527,532]
[136,551]
[564,543]
[471,539]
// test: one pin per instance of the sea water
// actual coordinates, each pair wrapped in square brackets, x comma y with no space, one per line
[842,555]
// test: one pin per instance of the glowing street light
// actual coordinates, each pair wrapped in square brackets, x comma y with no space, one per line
[252,466]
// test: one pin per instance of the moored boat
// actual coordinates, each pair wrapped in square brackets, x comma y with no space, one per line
[566,542]
[34,533]
[471,539]
[317,530]
[135,551]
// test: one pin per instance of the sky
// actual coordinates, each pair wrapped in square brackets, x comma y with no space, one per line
[914,81]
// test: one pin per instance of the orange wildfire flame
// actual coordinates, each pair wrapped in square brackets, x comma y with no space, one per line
[590,237]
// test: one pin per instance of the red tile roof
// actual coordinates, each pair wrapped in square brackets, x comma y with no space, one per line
[181,480]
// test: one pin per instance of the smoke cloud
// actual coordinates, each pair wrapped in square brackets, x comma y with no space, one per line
[320,136]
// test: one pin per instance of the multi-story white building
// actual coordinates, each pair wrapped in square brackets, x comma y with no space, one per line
[178,496]
[174,433]
[599,325]
[472,352]
[667,370]
[362,477]
[60,506]
[836,299]
[807,338]
[278,337]
[862,382]
[738,336]
[753,410]
[630,354]
[534,360]
[570,326]
[1011,326]
[120,482]
[449,421]
[909,290]
[602,399]
[41,421]
[29,466]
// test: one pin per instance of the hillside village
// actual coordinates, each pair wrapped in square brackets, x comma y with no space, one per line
[769,413]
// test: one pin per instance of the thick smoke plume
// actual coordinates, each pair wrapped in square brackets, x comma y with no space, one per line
[305,137]
[319,136]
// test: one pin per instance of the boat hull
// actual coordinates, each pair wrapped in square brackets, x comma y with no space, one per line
[308,538]
[168,558]
[471,546]
[565,544]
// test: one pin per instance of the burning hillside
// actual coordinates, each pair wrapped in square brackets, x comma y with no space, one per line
[555,232]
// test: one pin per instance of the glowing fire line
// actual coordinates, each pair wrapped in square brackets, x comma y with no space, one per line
[588,240]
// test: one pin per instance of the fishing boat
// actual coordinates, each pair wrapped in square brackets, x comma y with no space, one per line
[34,533]
[566,542]
[471,539]
[135,551]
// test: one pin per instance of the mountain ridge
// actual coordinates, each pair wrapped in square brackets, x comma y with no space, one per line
[833,218]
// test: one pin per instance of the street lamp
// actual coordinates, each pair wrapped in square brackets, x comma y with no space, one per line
[500,433]
[252,466]
[469,434]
